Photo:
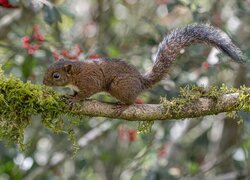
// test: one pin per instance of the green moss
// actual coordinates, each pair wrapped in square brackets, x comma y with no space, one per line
[19,101]
[145,127]
[187,95]
[235,116]
[190,94]
[244,99]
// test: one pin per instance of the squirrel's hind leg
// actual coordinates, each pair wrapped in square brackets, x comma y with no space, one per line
[126,88]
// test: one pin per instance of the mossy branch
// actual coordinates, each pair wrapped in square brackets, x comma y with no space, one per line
[176,109]
[193,102]
[19,101]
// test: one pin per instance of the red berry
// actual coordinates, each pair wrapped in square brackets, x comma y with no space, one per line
[26,45]
[32,48]
[57,56]
[36,33]
[26,39]
[94,56]
[38,37]
[78,49]
[6,4]
[126,134]
[26,42]
[122,133]
[161,1]
[65,52]
[138,101]
[162,152]
[72,56]
[205,65]
[132,134]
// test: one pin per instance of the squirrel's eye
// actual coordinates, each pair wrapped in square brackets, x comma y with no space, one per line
[56,75]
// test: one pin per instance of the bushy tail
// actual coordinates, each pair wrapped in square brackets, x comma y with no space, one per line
[178,39]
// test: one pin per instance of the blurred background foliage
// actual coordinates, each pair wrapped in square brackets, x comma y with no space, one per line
[34,33]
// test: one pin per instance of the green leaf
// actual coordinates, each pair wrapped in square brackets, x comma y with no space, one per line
[113,51]
[193,167]
[28,66]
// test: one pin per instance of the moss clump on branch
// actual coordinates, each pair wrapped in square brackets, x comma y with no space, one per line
[19,101]
[191,94]
[245,99]
[188,95]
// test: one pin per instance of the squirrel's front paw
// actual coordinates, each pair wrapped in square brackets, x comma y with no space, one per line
[70,100]
[65,98]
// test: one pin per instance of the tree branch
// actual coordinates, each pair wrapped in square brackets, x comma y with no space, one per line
[145,112]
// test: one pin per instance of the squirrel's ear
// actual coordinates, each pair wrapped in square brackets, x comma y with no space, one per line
[68,68]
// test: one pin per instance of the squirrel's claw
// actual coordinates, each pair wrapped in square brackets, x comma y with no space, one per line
[65,98]
[119,108]
[70,100]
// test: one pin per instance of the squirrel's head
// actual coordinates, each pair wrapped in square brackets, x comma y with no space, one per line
[58,74]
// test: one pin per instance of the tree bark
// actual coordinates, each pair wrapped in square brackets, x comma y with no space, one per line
[146,112]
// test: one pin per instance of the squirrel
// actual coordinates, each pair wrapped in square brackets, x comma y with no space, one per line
[123,81]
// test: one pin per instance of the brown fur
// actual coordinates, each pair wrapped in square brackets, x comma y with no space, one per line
[116,77]
[122,80]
